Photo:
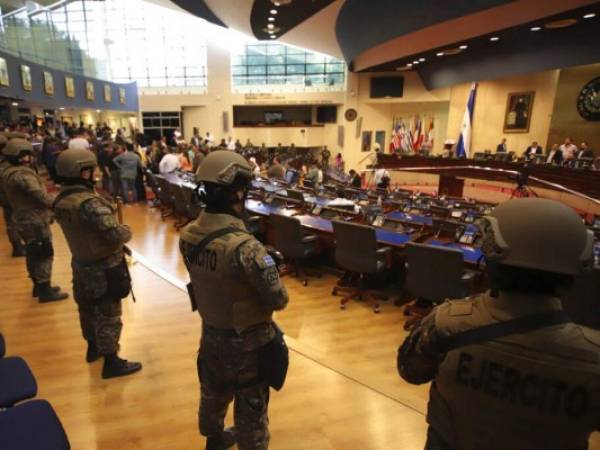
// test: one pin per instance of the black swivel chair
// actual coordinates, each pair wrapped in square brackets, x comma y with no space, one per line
[357,252]
[167,202]
[296,246]
[153,184]
[434,274]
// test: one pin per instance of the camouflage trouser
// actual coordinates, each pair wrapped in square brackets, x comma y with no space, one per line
[100,318]
[228,371]
[11,230]
[38,246]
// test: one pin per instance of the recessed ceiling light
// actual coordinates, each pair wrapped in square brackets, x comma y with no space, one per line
[439,54]
[463,47]
[494,38]
[271,19]
[15,104]
[409,64]
[271,25]
[415,62]
[535,28]
[273,11]
[61,108]
[422,59]
[97,110]
[276,3]
[589,16]
[273,36]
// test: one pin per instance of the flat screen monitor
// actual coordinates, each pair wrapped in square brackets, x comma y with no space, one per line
[273,116]
[382,87]
[295,194]
[326,114]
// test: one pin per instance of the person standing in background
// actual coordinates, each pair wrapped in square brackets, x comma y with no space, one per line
[129,164]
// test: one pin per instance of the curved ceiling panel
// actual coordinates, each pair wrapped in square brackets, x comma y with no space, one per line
[363,24]
[200,9]
[274,18]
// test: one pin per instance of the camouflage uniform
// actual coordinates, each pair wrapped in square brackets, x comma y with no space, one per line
[236,287]
[31,214]
[534,390]
[11,230]
[96,241]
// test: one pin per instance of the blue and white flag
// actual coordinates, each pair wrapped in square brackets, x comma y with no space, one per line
[463,148]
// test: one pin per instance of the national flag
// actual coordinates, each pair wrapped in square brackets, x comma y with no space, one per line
[396,140]
[463,148]
[428,142]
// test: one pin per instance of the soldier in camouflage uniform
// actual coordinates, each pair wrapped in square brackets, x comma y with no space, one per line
[100,275]
[32,216]
[236,287]
[512,371]
[11,230]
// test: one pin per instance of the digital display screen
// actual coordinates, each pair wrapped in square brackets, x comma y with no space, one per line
[457,214]
[468,237]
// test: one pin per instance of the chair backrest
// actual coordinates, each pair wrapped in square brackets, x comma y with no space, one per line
[181,202]
[434,273]
[288,235]
[165,193]
[355,247]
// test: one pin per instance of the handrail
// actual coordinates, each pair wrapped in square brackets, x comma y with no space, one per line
[556,186]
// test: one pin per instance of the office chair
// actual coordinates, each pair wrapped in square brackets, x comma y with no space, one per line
[296,246]
[167,202]
[434,274]
[357,252]
[181,205]
[153,185]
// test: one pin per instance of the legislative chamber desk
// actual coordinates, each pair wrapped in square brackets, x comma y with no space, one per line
[584,181]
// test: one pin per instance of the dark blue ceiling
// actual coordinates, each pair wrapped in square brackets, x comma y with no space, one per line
[363,24]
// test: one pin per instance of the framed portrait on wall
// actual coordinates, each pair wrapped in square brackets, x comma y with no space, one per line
[48,83]
[380,139]
[70,87]
[107,93]
[122,96]
[365,142]
[518,112]
[26,77]
[89,90]
[4,81]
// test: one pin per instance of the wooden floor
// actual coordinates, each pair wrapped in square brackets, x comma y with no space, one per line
[342,392]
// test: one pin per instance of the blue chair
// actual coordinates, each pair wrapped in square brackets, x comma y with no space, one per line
[32,425]
[17,383]
[2,346]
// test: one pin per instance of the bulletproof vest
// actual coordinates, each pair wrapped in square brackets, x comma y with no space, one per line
[3,199]
[86,244]
[224,300]
[20,200]
[536,390]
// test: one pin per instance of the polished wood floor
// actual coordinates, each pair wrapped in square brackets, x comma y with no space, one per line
[342,391]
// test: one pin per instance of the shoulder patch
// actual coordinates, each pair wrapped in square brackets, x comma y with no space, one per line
[268,260]
[460,308]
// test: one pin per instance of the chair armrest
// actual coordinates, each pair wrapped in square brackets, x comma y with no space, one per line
[309,238]
[384,251]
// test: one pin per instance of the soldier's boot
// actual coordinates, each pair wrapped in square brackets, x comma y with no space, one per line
[35,292]
[222,441]
[117,367]
[92,352]
[48,294]
[18,250]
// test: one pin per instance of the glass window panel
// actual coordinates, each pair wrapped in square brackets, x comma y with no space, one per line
[295,68]
[276,70]
[276,59]
[335,67]
[315,68]
[314,58]
[257,60]
[295,59]
[238,70]
[276,49]
[257,70]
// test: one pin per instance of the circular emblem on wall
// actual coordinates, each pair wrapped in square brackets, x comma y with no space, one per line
[350,114]
[588,101]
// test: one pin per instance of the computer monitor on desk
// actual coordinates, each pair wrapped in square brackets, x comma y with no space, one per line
[294,195]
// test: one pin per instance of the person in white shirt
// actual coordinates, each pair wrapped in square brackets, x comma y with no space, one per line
[79,141]
[169,163]
[568,149]
[209,139]
[230,144]
[382,178]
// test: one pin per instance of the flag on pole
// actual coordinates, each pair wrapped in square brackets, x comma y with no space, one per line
[418,139]
[396,140]
[463,148]
[429,136]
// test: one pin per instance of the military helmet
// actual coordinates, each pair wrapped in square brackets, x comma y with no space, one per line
[539,234]
[222,167]
[70,163]
[16,146]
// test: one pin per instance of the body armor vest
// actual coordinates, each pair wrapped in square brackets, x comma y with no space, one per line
[224,300]
[20,201]
[3,166]
[537,390]
[86,245]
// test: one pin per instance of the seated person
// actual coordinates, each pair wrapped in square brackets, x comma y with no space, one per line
[313,173]
[276,171]
[568,150]
[355,179]
[382,178]
[584,151]
[555,155]
[533,149]
[502,148]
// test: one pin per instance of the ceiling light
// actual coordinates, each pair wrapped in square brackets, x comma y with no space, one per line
[535,28]
[271,19]
[273,36]
[409,65]
[97,110]
[15,104]
[494,38]
[589,16]
[422,59]
[276,3]
[61,108]
[463,47]
[440,54]
[273,11]
[415,62]
[270,26]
